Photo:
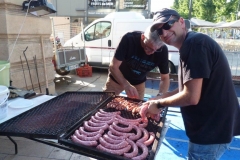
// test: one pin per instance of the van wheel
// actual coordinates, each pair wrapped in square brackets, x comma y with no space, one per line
[62,71]
[172,69]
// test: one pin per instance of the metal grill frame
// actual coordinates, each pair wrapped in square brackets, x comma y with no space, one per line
[98,154]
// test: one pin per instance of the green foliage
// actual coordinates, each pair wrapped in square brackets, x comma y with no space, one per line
[209,10]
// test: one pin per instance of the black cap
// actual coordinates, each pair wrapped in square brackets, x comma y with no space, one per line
[163,16]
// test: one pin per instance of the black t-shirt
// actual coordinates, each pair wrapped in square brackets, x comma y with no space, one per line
[216,118]
[135,62]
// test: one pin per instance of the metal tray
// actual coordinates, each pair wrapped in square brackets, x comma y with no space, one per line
[155,127]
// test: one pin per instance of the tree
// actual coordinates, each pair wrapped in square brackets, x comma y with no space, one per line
[204,9]
[209,10]
[182,6]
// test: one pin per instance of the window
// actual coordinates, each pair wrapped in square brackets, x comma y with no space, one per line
[98,31]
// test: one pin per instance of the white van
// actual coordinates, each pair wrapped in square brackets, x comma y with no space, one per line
[101,37]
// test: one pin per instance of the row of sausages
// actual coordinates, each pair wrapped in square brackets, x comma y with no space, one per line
[110,132]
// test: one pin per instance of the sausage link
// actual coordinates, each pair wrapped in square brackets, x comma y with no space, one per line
[145,135]
[90,134]
[118,152]
[150,140]
[112,146]
[86,143]
[111,140]
[93,124]
[144,152]
[99,121]
[121,129]
[143,125]
[116,137]
[90,128]
[85,138]
[102,118]
[134,153]
[138,135]
[117,133]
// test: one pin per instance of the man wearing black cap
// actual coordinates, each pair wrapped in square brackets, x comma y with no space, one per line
[206,94]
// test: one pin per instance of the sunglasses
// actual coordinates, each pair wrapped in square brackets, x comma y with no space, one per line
[166,26]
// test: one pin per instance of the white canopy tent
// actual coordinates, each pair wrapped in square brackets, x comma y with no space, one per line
[234,24]
[201,23]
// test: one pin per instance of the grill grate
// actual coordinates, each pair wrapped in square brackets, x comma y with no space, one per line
[55,116]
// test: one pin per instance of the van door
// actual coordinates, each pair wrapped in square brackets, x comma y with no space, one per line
[96,43]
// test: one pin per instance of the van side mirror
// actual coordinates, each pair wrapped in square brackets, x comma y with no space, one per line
[109,43]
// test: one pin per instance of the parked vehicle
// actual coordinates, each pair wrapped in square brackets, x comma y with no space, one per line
[65,60]
[101,37]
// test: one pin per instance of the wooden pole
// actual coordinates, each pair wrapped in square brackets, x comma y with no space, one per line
[44,65]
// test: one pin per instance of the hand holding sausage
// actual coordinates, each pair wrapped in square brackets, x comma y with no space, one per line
[149,109]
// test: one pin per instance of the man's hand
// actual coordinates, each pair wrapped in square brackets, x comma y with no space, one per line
[131,92]
[149,109]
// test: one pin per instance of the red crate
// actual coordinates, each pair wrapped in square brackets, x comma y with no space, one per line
[84,71]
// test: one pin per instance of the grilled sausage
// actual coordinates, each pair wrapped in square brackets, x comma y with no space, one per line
[102,118]
[118,152]
[138,135]
[112,146]
[150,140]
[85,138]
[111,140]
[134,148]
[90,128]
[86,143]
[145,135]
[90,134]
[99,121]
[144,124]
[110,134]
[93,124]
[144,151]
[121,129]
[117,133]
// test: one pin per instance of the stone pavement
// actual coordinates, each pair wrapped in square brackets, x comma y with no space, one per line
[31,150]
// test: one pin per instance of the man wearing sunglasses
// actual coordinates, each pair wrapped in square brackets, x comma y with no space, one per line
[206,94]
[136,55]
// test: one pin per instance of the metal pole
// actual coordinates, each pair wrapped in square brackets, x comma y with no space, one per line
[44,65]
[28,66]
[237,10]
[24,73]
[190,9]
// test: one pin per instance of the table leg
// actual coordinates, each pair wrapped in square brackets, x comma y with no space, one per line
[15,144]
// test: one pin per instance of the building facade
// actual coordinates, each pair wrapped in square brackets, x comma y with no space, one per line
[88,10]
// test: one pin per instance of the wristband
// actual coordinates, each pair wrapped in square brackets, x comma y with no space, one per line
[159,94]
[159,106]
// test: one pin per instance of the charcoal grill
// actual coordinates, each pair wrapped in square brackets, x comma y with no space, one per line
[59,117]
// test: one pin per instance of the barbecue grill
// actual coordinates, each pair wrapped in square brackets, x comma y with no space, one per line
[59,117]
